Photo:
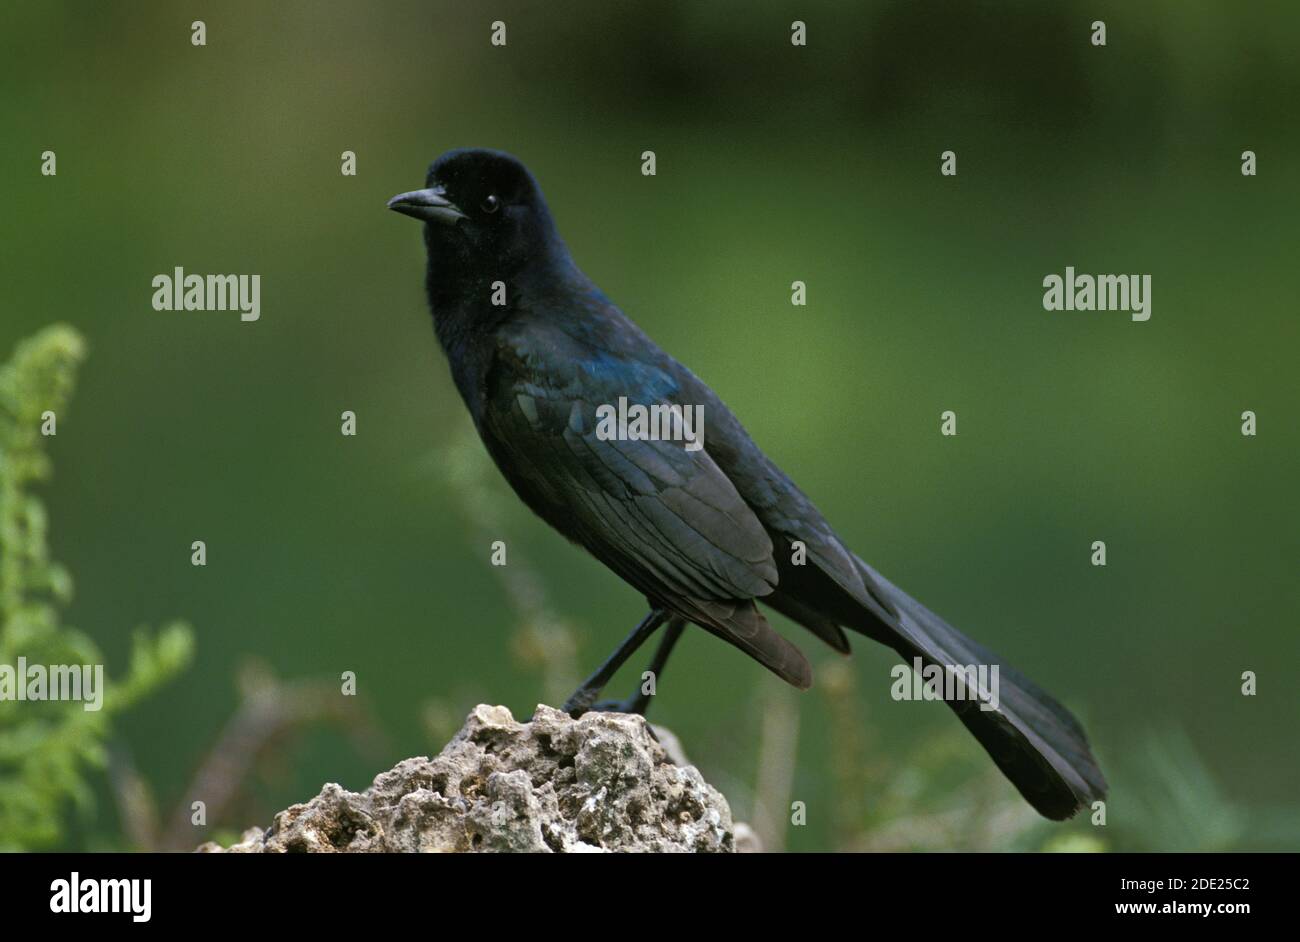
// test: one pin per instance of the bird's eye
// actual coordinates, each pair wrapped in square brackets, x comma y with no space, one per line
[491,204]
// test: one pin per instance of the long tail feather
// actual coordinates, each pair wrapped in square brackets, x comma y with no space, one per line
[1034,740]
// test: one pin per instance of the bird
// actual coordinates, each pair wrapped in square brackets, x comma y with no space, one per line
[710,535]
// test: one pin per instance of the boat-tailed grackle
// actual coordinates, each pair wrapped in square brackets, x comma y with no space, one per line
[540,355]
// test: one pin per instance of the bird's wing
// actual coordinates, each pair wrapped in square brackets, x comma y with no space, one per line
[665,518]
[654,506]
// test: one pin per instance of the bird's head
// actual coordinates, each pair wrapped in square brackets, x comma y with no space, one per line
[483,214]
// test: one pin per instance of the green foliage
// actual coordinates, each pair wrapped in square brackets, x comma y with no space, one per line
[1177,804]
[47,748]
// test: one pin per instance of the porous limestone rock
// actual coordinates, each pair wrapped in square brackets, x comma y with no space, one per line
[598,783]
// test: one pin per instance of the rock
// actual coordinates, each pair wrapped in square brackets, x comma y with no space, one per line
[598,783]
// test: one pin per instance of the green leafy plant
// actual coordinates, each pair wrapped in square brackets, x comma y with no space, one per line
[50,748]
[1176,803]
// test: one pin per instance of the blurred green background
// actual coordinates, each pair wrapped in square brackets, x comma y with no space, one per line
[370,554]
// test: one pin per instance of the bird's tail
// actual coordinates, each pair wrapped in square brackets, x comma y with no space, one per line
[1034,740]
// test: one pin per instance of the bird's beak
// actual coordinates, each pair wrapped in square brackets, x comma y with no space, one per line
[429,205]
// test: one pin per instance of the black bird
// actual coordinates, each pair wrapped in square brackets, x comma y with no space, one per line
[535,348]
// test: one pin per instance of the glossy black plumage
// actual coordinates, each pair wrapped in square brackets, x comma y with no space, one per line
[706,535]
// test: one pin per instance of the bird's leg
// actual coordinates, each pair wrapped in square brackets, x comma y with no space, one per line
[639,702]
[586,695]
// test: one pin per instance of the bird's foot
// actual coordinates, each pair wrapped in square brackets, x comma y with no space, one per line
[583,700]
[635,704]
[610,706]
[576,706]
